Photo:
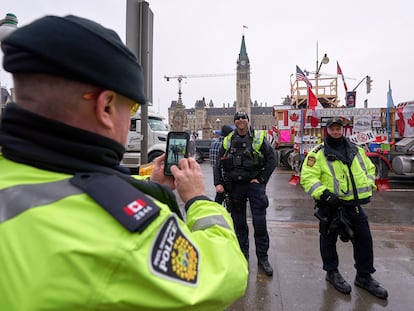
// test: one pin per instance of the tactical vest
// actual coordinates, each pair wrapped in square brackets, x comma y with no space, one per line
[243,159]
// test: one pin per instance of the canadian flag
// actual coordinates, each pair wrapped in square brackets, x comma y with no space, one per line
[313,103]
[405,120]
[409,123]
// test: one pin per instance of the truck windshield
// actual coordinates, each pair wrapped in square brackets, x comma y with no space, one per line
[157,124]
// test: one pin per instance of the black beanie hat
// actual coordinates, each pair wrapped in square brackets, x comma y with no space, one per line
[241,114]
[78,49]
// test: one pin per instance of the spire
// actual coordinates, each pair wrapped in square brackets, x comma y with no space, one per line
[243,101]
[243,52]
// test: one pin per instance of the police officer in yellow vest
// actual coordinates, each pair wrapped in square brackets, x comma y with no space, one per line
[340,177]
[77,232]
[248,161]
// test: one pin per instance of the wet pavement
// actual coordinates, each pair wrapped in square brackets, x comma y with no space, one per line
[299,282]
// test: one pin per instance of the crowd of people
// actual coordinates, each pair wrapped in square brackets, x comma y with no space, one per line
[78,231]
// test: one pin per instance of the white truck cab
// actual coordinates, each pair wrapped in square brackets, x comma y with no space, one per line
[157,139]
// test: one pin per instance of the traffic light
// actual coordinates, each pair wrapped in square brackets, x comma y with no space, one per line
[369,82]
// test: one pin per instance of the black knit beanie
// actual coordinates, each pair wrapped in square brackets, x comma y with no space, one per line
[78,49]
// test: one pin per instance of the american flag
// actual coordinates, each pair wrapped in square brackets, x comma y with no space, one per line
[301,76]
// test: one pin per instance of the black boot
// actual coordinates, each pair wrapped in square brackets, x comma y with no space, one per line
[266,267]
[336,279]
[371,285]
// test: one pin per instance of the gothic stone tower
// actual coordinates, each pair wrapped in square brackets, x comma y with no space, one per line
[179,119]
[243,101]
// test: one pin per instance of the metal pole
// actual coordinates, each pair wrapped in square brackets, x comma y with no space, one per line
[139,32]
[317,57]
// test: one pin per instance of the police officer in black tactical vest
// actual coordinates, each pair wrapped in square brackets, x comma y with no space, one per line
[248,161]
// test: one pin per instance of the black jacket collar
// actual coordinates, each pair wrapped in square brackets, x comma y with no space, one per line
[38,141]
[31,139]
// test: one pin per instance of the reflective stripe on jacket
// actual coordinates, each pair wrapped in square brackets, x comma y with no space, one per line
[258,138]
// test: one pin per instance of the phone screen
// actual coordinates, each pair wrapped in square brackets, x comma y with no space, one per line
[177,148]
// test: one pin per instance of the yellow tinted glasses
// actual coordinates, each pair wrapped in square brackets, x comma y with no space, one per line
[134,109]
[94,95]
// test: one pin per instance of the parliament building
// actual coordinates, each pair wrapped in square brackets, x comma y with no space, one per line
[205,118]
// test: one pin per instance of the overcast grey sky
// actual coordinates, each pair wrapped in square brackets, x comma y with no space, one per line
[369,37]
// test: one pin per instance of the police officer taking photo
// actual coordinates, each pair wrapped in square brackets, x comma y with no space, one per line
[340,177]
[247,160]
[77,232]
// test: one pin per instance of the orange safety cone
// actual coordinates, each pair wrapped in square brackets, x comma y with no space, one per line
[382,184]
[294,179]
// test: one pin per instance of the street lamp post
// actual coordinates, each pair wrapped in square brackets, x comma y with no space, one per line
[324,60]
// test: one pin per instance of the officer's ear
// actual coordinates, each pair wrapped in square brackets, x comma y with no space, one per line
[106,108]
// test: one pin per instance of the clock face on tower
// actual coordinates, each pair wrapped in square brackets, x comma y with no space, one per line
[243,62]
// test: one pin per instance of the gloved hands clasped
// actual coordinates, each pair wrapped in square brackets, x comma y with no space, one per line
[331,199]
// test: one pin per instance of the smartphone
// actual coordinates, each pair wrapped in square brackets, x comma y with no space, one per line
[177,148]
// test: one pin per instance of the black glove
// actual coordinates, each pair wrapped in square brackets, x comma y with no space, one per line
[330,199]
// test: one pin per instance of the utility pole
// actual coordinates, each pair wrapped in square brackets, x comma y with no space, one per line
[139,38]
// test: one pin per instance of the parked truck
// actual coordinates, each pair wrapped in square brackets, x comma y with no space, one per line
[156,138]
[386,133]
[403,153]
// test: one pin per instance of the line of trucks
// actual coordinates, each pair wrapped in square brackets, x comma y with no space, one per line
[386,133]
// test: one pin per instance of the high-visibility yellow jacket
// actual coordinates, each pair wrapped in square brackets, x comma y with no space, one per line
[258,139]
[60,250]
[245,158]
[319,174]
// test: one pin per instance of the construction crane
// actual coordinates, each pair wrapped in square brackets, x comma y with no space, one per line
[180,78]
[329,75]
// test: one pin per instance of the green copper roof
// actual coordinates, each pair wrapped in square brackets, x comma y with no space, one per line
[243,52]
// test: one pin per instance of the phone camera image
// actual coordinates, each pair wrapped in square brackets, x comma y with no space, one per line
[177,148]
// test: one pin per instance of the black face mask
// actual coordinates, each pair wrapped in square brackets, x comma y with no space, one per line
[334,142]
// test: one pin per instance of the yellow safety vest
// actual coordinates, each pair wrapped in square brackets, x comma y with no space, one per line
[318,174]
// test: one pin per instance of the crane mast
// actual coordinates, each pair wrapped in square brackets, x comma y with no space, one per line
[180,78]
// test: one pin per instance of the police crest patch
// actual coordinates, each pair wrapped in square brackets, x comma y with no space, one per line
[311,161]
[173,255]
